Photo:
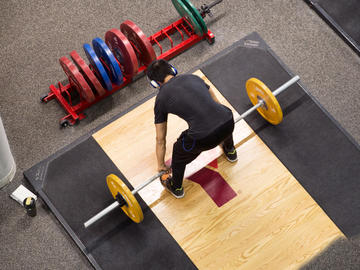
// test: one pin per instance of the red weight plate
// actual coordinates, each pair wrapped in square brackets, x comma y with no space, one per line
[81,85]
[140,41]
[123,51]
[87,73]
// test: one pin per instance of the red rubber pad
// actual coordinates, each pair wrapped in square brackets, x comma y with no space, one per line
[214,185]
[138,39]
[212,182]
[123,51]
[75,76]
[87,73]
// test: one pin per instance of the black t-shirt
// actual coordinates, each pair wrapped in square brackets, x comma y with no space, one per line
[188,97]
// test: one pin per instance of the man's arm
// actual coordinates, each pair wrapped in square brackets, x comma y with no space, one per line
[161,130]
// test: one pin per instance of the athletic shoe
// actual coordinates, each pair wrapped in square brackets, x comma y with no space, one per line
[166,181]
[231,155]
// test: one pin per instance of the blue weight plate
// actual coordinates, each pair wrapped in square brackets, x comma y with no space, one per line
[103,51]
[98,66]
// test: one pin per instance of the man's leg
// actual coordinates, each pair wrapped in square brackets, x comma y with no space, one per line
[184,151]
[228,143]
[229,149]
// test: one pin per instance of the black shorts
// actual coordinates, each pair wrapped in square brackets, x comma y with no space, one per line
[186,149]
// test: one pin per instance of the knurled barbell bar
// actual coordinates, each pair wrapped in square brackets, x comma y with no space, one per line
[264,102]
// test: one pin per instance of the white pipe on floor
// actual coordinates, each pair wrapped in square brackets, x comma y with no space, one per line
[7,163]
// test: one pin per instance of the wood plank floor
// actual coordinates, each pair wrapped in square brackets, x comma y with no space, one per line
[272,223]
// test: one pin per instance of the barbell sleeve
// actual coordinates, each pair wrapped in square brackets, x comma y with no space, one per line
[102,213]
[205,9]
[286,85]
[214,4]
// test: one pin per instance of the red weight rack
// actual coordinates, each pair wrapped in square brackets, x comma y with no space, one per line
[75,112]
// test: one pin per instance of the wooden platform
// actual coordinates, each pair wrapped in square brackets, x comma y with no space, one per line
[272,223]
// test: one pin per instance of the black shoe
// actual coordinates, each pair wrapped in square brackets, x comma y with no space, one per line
[166,181]
[231,155]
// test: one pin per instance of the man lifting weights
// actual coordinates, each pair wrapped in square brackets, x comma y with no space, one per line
[210,123]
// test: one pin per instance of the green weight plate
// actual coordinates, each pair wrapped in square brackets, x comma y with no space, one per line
[185,12]
[196,14]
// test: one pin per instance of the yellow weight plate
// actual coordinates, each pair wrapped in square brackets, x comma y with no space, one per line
[132,208]
[257,91]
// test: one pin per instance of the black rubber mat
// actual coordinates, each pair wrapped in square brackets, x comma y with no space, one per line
[343,17]
[72,183]
[309,142]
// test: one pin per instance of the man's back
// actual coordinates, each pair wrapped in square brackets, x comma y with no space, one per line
[188,97]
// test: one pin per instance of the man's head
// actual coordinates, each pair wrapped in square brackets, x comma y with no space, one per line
[158,70]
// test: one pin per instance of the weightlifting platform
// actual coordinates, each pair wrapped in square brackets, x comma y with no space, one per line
[292,192]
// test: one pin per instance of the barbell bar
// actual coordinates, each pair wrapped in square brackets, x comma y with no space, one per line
[264,101]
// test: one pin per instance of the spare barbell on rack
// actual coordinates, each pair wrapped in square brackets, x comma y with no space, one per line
[264,102]
[193,15]
[206,9]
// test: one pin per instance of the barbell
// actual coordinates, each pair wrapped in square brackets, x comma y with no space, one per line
[264,102]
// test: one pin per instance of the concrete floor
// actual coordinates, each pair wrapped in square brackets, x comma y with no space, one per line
[35,34]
